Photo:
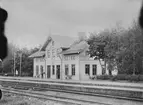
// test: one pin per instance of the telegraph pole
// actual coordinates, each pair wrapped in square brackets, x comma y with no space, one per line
[14,65]
[20,63]
[134,63]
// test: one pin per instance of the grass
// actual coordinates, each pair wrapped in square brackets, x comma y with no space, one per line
[12,99]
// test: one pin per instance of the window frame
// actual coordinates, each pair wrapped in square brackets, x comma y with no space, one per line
[53,53]
[73,69]
[66,69]
[87,69]
[94,69]
[48,54]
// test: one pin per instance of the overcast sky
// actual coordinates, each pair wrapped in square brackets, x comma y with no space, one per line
[29,21]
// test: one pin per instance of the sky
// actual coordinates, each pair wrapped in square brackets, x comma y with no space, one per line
[31,21]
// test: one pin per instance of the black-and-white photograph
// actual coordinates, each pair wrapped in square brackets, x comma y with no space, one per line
[71,52]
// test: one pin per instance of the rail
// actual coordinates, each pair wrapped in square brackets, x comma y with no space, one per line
[36,94]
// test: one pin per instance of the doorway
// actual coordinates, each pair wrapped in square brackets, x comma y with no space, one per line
[48,71]
[42,72]
[58,72]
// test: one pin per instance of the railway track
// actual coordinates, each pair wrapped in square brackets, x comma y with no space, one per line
[74,83]
[38,89]
[41,87]
[63,99]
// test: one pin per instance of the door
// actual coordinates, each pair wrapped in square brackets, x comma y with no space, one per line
[42,75]
[37,71]
[48,71]
[58,71]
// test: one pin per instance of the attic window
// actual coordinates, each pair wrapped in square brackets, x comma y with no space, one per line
[53,53]
[52,43]
[48,53]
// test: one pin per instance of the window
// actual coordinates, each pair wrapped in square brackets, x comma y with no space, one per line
[53,43]
[48,71]
[37,70]
[58,72]
[66,69]
[66,58]
[41,68]
[87,69]
[72,57]
[94,69]
[58,67]
[73,69]
[53,69]
[53,53]
[48,53]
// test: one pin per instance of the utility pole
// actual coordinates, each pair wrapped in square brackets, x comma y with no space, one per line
[20,62]
[134,68]
[14,65]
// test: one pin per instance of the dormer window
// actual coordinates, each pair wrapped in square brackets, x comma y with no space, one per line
[57,52]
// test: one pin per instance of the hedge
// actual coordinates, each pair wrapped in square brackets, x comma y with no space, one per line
[121,77]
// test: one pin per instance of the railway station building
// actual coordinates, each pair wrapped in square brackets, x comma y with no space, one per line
[61,59]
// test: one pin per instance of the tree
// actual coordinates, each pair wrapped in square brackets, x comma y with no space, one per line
[131,57]
[8,62]
[26,63]
[96,49]
[120,48]
[105,46]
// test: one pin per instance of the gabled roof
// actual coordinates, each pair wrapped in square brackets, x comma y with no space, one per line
[60,41]
[77,48]
[38,54]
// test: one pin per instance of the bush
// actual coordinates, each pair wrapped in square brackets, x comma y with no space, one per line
[119,77]
[140,77]
[131,78]
[104,77]
[1,74]
[8,74]
[24,74]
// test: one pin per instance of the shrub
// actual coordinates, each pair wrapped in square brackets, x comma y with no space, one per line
[140,77]
[119,77]
[104,77]
[131,78]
